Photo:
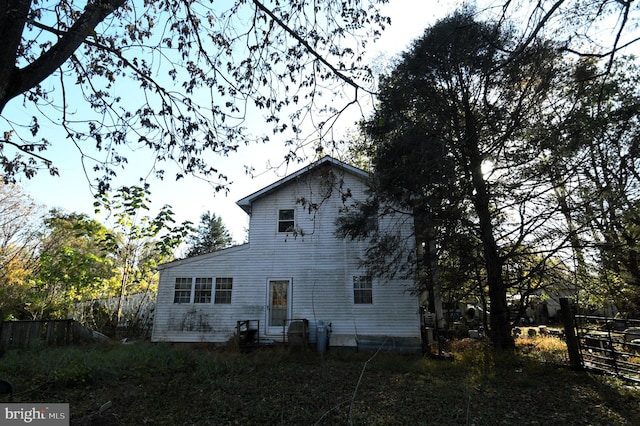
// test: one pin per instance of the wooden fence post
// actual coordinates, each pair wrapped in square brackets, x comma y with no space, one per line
[570,334]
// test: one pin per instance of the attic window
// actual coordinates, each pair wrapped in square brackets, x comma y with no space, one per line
[286,220]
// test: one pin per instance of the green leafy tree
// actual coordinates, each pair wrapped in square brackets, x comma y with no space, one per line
[20,230]
[447,145]
[592,146]
[139,242]
[211,235]
[74,265]
[610,188]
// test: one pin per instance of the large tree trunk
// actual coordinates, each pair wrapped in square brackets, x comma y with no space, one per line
[500,332]
[501,337]
[435,286]
[13,15]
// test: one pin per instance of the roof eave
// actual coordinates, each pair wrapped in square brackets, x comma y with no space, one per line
[245,203]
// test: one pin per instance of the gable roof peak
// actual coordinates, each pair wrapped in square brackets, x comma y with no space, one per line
[245,203]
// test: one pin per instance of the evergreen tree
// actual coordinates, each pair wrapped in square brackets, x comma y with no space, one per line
[456,103]
[210,236]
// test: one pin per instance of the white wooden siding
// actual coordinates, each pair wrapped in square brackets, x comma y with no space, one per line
[320,265]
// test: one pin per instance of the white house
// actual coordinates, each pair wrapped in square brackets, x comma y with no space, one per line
[294,267]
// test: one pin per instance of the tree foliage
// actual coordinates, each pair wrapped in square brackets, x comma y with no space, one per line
[20,230]
[139,242]
[74,265]
[456,103]
[211,235]
[592,158]
[179,79]
[509,154]
[53,266]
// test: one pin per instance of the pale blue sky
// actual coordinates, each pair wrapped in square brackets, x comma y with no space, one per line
[190,197]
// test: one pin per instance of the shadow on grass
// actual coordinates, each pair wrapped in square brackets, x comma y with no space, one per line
[166,385]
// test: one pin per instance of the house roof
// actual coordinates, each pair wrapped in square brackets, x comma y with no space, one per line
[246,202]
[199,257]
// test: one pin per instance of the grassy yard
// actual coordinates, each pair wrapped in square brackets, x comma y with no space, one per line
[165,385]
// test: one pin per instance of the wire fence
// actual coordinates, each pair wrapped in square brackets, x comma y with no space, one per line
[610,345]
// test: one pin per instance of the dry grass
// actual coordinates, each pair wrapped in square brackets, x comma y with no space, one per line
[544,348]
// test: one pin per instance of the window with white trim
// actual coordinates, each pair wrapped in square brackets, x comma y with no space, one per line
[182,292]
[203,290]
[286,220]
[362,290]
[224,287]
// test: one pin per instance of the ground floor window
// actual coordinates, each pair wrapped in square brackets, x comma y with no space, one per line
[203,290]
[224,286]
[182,292]
[200,290]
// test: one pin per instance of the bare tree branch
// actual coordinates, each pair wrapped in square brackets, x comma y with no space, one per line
[34,73]
[307,46]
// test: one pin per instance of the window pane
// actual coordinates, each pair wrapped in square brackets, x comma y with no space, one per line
[362,290]
[285,214]
[286,221]
[224,287]
[278,302]
[203,290]
[182,290]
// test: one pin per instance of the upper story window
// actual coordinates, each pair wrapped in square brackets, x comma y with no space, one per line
[286,220]
[362,290]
